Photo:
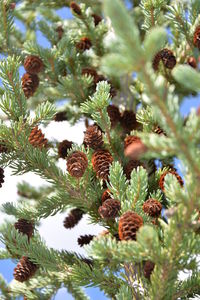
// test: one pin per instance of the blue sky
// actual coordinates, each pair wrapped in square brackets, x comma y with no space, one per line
[7,266]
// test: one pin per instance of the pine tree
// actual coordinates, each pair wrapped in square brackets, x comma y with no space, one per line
[127,69]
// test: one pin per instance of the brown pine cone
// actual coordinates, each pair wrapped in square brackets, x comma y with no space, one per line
[89,71]
[105,196]
[1,176]
[101,160]
[85,239]
[24,270]
[130,139]
[84,44]
[114,114]
[132,164]
[75,8]
[93,137]
[77,164]
[25,227]
[60,116]
[136,149]
[73,218]
[109,209]
[60,32]
[33,64]
[63,147]
[36,138]
[162,178]
[156,61]
[192,62]
[128,120]
[129,224]
[97,19]
[148,268]
[196,37]
[167,57]
[3,147]
[152,207]
[30,83]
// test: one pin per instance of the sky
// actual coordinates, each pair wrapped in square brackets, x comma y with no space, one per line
[50,227]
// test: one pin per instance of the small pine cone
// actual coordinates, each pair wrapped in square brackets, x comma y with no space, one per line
[101,160]
[30,83]
[130,139]
[3,147]
[148,268]
[152,207]
[97,19]
[63,147]
[33,64]
[25,227]
[75,8]
[135,150]
[93,137]
[73,218]
[1,176]
[60,32]
[109,209]
[162,179]
[159,130]
[105,196]
[114,114]
[77,163]
[156,61]
[85,239]
[129,224]
[130,166]
[196,37]
[60,116]
[84,44]
[128,120]
[36,138]
[89,71]
[24,270]
[168,58]
[192,62]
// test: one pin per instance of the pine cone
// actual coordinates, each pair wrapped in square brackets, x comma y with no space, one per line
[156,61]
[33,64]
[1,176]
[60,32]
[192,62]
[30,83]
[167,57]
[159,130]
[73,218]
[25,227]
[109,209]
[101,160]
[130,139]
[3,147]
[63,147]
[85,239]
[162,178]
[114,114]
[89,71]
[77,163]
[105,196]
[84,44]
[60,116]
[97,19]
[132,164]
[196,37]
[93,137]
[129,223]
[148,268]
[24,270]
[75,8]
[36,138]
[128,120]
[135,149]
[152,207]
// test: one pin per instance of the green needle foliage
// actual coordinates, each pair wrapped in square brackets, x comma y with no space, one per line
[125,71]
